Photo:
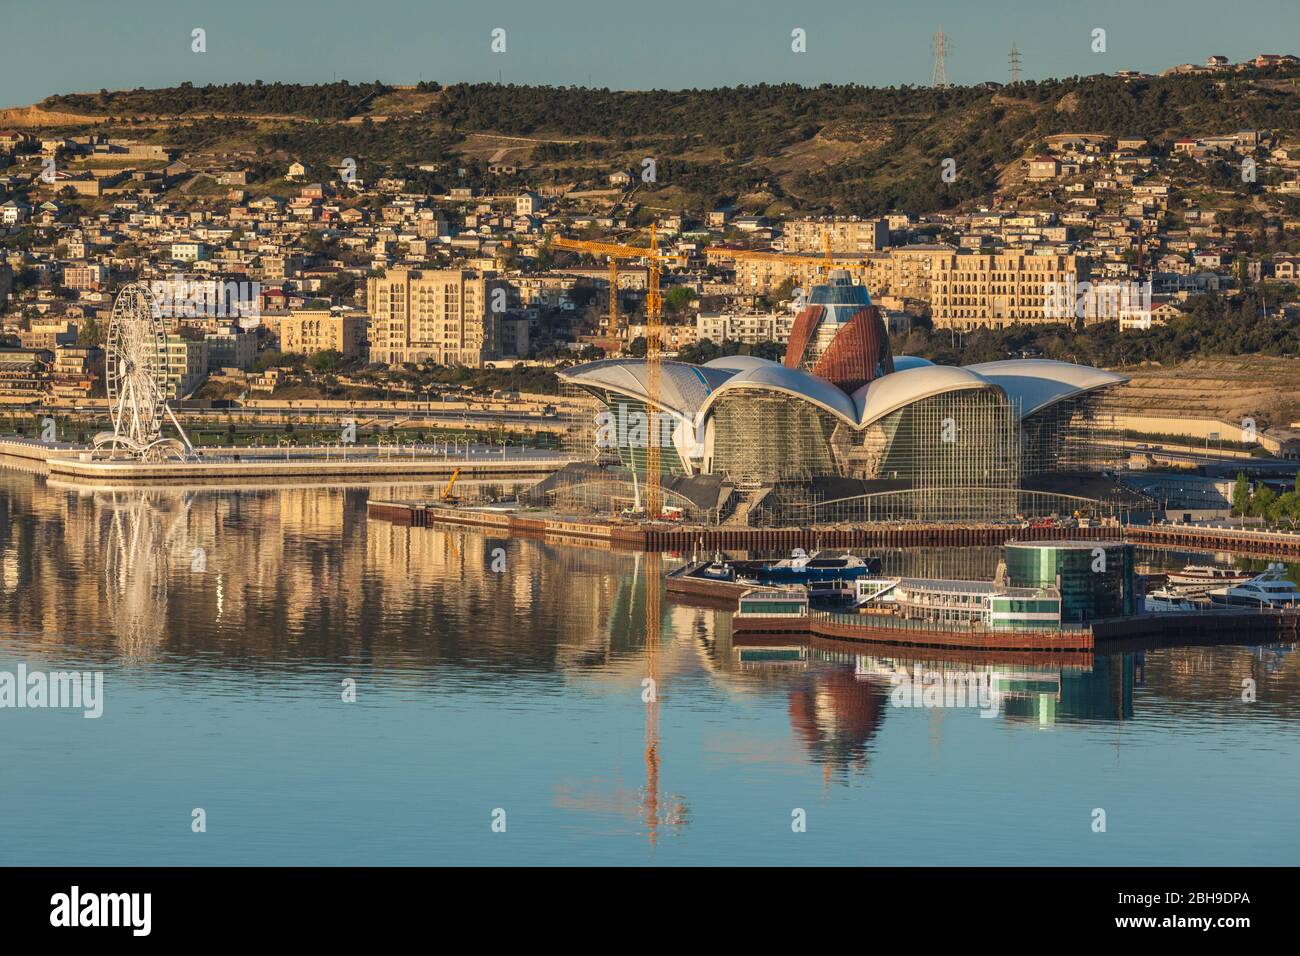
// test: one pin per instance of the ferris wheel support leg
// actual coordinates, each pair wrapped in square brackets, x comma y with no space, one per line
[189,449]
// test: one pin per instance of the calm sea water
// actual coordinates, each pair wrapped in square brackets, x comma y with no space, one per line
[226,624]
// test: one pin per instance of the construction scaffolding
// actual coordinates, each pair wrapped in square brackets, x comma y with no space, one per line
[762,437]
[960,439]
[578,411]
[955,503]
[1073,435]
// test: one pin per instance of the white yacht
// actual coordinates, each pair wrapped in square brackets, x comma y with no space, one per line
[1166,600]
[1199,578]
[1267,590]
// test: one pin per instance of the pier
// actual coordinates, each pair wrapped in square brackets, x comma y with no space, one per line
[630,536]
[1147,631]
[215,466]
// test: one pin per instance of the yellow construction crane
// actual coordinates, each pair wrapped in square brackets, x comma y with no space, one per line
[653,346]
[827,261]
[614,252]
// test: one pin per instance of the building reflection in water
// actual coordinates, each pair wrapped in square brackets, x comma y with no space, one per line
[835,716]
[296,581]
[838,700]
[140,532]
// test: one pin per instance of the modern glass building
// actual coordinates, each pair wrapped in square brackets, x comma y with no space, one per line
[1094,578]
[849,431]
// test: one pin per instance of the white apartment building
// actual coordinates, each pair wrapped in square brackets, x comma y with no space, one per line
[750,328]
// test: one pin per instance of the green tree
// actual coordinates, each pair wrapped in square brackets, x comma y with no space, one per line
[678,298]
[1261,501]
[1241,495]
[89,332]
[325,361]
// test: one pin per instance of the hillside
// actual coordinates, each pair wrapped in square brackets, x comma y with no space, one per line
[847,149]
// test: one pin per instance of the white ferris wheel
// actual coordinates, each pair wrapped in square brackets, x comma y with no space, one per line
[136,374]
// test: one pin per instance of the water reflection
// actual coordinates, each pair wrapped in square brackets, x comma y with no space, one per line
[140,534]
[265,599]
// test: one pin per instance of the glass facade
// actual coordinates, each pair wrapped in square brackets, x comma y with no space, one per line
[761,436]
[1095,578]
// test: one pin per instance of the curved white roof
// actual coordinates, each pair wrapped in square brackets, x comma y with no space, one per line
[739,362]
[792,381]
[683,388]
[903,362]
[889,393]
[1039,383]
[690,390]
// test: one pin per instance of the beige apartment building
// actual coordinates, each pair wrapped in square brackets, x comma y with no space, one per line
[761,276]
[905,272]
[846,235]
[309,331]
[49,334]
[84,276]
[187,365]
[748,327]
[445,315]
[970,291]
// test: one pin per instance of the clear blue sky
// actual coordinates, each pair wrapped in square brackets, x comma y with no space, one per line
[77,45]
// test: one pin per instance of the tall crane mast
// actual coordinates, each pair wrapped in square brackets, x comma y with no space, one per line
[654,347]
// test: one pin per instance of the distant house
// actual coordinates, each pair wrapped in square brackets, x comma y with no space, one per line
[620,178]
[1044,167]
[297,170]
[12,139]
[14,212]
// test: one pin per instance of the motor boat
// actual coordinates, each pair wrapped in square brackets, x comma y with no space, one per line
[1200,578]
[1166,600]
[808,569]
[1268,590]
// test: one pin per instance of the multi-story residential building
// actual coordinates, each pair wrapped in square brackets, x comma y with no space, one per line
[905,272]
[845,235]
[987,291]
[443,315]
[24,374]
[187,365]
[671,337]
[231,347]
[309,331]
[189,251]
[77,370]
[84,276]
[49,335]
[761,276]
[748,327]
